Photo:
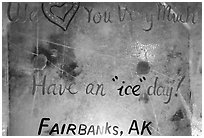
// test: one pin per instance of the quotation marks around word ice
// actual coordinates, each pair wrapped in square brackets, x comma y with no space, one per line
[115,78]
[51,11]
[142,79]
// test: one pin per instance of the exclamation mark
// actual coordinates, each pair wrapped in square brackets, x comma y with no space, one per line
[179,84]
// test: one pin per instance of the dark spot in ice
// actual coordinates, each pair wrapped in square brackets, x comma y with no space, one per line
[58,56]
[143,67]
[181,124]
[40,62]
[144,98]
[47,53]
[70,71]
[177,116]
[53,51]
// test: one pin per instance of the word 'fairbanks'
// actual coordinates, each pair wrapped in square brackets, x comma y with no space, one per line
[83,129]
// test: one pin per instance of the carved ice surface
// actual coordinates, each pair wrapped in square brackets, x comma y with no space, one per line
[101,64]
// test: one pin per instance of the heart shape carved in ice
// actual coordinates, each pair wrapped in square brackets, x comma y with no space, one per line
[51,11]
